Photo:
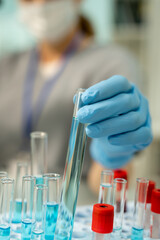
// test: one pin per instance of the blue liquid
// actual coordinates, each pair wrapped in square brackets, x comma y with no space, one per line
[137,234]
[17,211]
[26,229]
[73,169]
[37,235]
[51,219]
[39,179]
[4,232]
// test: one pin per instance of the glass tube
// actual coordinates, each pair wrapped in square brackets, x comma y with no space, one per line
[22,170]
[105,192]
[155,210]
[119,193]
[147,223]
[2,175]
[6,207]
[99,236]
[39,147]
[39,211]
[53,182]
[72,175]
[27,206]
[139,209]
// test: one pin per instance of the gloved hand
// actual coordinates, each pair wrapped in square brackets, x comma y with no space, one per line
[119,121]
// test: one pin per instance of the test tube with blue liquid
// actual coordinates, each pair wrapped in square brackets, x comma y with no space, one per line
[139,209]
[27,206]
[53,182]
[39,212]
[105,192]
[119,193]
[72,175]
[39,148]
[6,207]
[22,170]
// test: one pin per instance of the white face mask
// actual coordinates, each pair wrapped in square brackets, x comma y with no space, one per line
[50,20]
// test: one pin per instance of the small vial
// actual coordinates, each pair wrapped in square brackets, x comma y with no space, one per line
[102,221]
[3,175]
[27,206]
[139,209]
[6,207]
[105,191]
[147,223]
[53,182]
[121,173]
[22,170]
[155,209]
[119,192]
[39,212]
[39,148]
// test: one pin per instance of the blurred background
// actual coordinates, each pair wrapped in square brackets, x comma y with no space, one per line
[133,24]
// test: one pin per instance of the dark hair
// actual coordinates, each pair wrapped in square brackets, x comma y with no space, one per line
[86,26]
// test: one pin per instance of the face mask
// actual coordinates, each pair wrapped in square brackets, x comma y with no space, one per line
[50,20]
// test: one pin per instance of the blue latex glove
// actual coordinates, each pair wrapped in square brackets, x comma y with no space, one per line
[119,118]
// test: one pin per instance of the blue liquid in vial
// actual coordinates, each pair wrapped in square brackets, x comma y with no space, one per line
[26,229]
[137,234]
[74,162]
[39,179]
[37,234]
[5,232]
[51,219]
[17,211]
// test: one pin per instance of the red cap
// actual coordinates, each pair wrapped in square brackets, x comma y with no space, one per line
[120,173]
[155,201]
[102,218]
[151,186]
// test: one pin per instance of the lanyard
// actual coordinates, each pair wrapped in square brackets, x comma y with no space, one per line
[27,109]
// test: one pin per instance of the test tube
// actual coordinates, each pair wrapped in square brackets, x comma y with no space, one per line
[2,175]
[119,192]
[155,209]
[72,175]
[139,209]
[53,182]
[6,207]
[102,221]
[147,223]
[39,212]
[27,206]
[121,173]
[105,192]
[39,147]
[22,170]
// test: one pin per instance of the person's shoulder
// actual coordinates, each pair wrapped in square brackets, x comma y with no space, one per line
[101,53]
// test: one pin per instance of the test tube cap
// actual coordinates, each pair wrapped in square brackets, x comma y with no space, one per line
[155,201]
[121,173]
[151,186]
[102,218]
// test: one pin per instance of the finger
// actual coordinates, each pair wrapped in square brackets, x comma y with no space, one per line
[115,106]
[120,124]
[106,89]
[142,137]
